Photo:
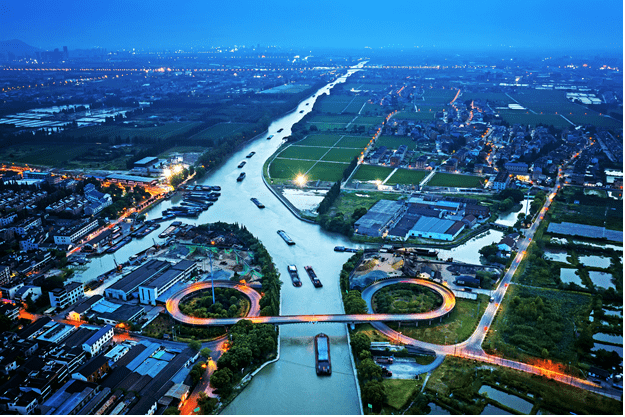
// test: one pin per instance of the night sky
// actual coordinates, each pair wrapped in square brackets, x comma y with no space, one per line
[467,25]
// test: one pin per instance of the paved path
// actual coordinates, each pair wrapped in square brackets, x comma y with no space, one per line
[449,302]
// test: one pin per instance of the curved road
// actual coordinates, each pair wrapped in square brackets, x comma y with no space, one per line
[174,302]
[449,302]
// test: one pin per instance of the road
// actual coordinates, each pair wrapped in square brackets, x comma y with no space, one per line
[449,302]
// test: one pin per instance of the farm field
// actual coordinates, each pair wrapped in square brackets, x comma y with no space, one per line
[288,168]
[221,130]
[302,152]
[326,171]
[330,161]
[354,142]
[356,104]
[320,140]
[498,98]
[436,98]
[371,173]
[333,103]
[47,155]
[341,155]
[524,117]
[373,110]
[455,180]
[358,85]
[157,132]
[394,142]
[332,119]
[407,176]
[368,121]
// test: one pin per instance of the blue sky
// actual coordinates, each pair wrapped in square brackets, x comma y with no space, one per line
[157,24]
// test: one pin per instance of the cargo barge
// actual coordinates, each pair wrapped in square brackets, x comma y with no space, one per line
[313,277]
[294,276]
[286,237]
[323,366]
[426,252]
[258,203]
[119,245]
[241,177]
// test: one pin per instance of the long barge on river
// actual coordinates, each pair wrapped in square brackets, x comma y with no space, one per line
[313,277]
[286,237]
[323,365]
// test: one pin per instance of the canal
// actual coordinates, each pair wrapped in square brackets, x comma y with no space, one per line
[290,385]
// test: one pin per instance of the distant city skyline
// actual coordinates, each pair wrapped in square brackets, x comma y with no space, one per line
[157,25]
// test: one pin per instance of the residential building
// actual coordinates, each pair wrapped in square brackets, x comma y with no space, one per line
[62,298]
[70,235]
[98,340]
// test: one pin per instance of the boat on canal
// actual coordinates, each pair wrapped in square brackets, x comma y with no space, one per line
[286,237]
[323,366]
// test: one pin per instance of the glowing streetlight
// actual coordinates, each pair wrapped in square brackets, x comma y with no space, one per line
[301,180]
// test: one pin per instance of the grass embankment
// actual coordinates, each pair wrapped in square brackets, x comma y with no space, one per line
[456,383]
[455,328]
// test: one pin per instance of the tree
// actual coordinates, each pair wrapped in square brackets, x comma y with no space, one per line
[195,345]
[172,411]
[374,393]
[358,213]
[354,304]
[221,378]
[206,403]
[368,370]
[206,352]
[360,342]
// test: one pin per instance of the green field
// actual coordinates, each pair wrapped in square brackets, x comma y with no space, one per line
[333,103]
[555,103]
[221,130]
[332,119]
[303,152]
[164,131]
[455,180]
[407,176]
[354,142]
[326,171]
[497,98]
[374,110]
[320,140]
[357,85]
[371,173]
[47,155]
[288,168]
[355,106]
[349,201]
[455,328]
[368,120]
[341,155]
[394,142]
[436,98]
[526,118]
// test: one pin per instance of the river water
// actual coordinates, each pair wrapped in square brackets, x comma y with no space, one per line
[289,386]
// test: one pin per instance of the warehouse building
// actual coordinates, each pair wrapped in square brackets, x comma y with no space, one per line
[123,289]
[151,290]
[380,218]
[435,228]
[150,280]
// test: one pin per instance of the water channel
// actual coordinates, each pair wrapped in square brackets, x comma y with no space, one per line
[290,385]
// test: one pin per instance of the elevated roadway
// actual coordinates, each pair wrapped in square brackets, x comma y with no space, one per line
[449,302]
